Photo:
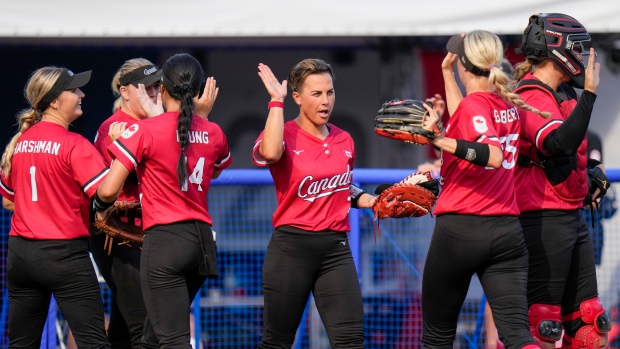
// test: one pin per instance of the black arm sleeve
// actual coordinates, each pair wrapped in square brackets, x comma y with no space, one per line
[565,140]
[593,163]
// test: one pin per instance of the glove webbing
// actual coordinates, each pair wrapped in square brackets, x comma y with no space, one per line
[109,242]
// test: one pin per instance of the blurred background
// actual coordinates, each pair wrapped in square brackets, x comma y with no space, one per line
[379,50]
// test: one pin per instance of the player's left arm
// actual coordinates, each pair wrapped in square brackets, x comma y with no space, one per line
[113,183]
[128,151]
[365,200]
[225,159]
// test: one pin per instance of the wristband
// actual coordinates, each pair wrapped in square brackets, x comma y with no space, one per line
[476,153]
[275,104]
[355,193]
[99,204]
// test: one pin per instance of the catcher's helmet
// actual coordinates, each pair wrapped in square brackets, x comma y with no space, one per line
[561,38]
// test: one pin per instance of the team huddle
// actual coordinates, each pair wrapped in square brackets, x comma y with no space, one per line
[520,133]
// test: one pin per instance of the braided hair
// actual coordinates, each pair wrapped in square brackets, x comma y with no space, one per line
[485,49]
[182,77]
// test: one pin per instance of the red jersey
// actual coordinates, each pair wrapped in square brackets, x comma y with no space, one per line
[53,173]
[535,191]
[130,191]
[151,147]
[482,117]
[312,179]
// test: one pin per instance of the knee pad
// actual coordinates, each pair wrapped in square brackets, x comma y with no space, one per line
[593,334]
[545,323]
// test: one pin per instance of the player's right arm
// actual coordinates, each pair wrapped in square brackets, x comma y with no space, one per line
[453,93]
[270,147]
[8,204]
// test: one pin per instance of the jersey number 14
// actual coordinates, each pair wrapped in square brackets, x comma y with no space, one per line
[196,176]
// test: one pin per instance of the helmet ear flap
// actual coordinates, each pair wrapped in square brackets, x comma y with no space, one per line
[534,41]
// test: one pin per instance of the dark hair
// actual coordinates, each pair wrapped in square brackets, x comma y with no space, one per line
[308,66]
[182,77]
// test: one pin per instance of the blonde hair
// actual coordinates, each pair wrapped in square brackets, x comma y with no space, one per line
[525,67]
[485,51]
[39,84]
[308,66]
[127,67]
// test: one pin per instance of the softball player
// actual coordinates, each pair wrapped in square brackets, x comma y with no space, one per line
[120,264]
[311,162]
[175,155]
[47,172]
[477,230]
[552,182]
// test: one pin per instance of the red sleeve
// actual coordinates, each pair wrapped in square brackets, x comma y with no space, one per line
[87,166]
[535,127]
[257,159]
[225,158]
[132,146]
[6,187]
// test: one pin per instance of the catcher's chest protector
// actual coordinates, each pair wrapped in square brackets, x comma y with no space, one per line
[569,184]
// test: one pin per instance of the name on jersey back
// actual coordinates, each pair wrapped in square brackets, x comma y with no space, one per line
[45,147]
[196,137]
[506,116]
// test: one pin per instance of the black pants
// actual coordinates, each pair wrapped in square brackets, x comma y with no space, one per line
[172,271]
[491,247]
[121,271]
[561,259]
[298,263]
[38,269]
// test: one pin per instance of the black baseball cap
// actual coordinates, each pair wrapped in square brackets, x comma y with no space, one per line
[66,81]
[456,45]
[147,75]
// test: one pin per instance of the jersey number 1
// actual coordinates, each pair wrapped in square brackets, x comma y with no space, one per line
[33,183]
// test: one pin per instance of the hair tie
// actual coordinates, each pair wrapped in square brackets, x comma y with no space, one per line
[185,88]
[491,67]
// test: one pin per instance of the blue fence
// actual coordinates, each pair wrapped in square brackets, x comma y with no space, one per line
[228,310]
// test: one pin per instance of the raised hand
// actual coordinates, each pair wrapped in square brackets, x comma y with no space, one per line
[592,73]
[449,61]
[151,108]
[276,90]
[204,104]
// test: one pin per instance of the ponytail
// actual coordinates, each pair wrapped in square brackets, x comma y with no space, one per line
[183,127]
[500,80]
[27,118]
[520,70]
[39,84]
[182,78]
